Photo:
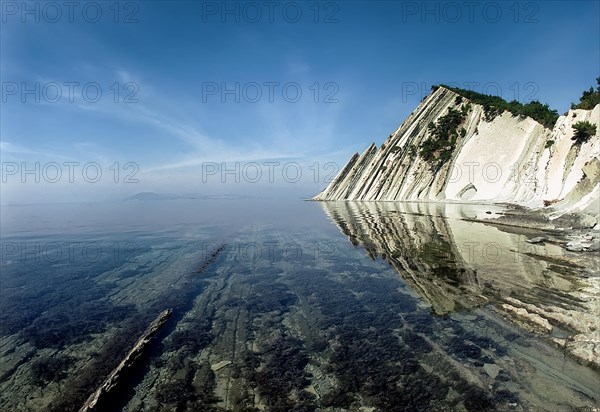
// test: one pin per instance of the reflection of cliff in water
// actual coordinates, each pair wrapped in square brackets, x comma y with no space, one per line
[453,263]
[416,246]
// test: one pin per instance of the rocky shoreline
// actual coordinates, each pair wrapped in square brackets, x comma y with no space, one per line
[557,296]
[579,235]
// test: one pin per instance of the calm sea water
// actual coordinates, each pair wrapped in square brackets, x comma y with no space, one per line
[284,305]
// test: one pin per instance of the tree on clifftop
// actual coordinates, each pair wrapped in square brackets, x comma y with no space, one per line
[589,99]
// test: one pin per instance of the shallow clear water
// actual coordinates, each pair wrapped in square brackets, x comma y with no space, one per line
[307,306]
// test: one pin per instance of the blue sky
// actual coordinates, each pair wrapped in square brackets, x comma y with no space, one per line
[361,67]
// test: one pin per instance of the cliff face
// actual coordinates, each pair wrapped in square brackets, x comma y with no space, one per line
[501,159]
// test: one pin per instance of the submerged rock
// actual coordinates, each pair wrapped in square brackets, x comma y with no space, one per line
[538,239]
[587,221]
[574,246]
[594,247]
[583,245]
[220,365]
[491,369]
[530,319]
[96,399]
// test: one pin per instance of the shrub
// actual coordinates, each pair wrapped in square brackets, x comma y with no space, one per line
[494,105]
[583,131]
[443,135]
[549,144]
[589,99]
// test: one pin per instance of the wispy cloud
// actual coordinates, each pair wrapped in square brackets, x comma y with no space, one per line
[11,151]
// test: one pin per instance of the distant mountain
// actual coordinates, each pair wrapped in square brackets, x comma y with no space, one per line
[147,196]
[150,196]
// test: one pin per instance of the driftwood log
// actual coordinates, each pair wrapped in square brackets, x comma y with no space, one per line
[114,377]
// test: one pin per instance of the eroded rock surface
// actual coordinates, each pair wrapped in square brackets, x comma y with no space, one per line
[501,159]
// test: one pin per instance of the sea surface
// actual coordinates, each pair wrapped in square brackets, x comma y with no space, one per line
[287,305]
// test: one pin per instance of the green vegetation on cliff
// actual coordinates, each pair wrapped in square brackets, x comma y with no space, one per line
[494,105]
[443,135]
[589,99]
[583,131]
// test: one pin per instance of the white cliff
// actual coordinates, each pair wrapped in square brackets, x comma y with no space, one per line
[507,159]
